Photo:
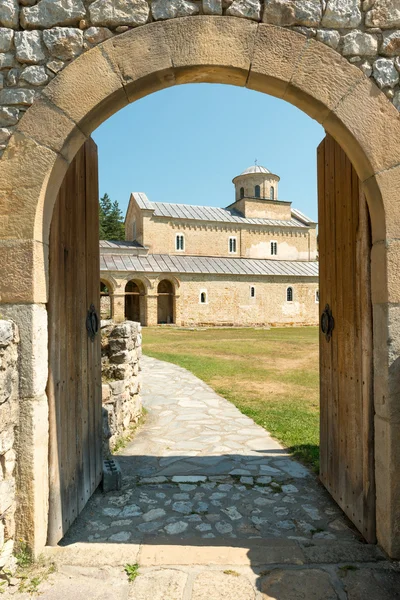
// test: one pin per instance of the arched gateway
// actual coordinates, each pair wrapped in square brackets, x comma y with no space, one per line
[273,60]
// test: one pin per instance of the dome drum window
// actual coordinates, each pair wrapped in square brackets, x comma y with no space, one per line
[257,191]
[274,248]
[272,193]
[241,193]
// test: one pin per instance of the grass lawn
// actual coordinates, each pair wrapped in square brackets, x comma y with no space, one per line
[270,375]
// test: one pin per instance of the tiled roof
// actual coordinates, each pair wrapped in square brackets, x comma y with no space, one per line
[212,213]
[165,263]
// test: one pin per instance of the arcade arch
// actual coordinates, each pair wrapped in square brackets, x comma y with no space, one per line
[135,301]
[266,58]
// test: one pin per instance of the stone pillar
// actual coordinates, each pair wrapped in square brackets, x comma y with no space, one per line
[118,307]
[178,310]
[152,301]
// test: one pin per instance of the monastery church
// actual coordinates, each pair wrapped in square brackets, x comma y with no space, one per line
[251,263]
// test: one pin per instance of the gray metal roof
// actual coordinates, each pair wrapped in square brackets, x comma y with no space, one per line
[168,263]
[255,169]
[212,213]
[117,245]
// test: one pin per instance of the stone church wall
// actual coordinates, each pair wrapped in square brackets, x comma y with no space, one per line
[9,420]
[229,301]
[121,349]
[208,239]
[39,38]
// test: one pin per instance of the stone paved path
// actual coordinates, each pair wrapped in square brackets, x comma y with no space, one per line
[213,508]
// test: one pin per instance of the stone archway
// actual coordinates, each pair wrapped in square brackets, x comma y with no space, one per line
[266,58]
[165,303]
[106,292]
[135,307]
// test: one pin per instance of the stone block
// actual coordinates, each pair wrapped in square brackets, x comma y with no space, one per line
[7,333]
[63,43]
[6,38]
[6,439]
[275,54]
[32,324]
[29,46]
[119,12]
[323,76]
[99,88]
[292,12]
[343,14]
[354,125]
[9,13]
[384,14]
[286,583]
[170,9]
[112,476]
[105,392]
[48,13]
[7,494]
[117,387]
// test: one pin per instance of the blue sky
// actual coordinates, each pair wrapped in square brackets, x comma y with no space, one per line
[185,144]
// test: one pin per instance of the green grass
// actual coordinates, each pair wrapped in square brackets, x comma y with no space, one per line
[132,571]
[270,375]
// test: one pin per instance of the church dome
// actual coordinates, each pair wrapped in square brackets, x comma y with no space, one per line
[255,169]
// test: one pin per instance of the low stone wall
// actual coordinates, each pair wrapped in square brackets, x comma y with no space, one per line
[121,349]
[9,418]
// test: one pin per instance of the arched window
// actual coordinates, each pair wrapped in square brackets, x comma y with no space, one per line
[317,296]
[289,294]
[203,296]
[272,193]
[257,191]
[274,248]
[180,241]
[232,245]
[252,291]
[241,193]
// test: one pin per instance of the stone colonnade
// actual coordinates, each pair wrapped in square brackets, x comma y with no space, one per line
[148,298]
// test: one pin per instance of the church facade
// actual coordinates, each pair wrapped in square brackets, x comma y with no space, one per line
[253,263]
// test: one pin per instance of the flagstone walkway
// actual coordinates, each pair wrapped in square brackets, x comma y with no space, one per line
[211,508]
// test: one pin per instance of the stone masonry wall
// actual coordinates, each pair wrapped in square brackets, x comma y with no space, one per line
[9,417]
[38,38]
[121,349]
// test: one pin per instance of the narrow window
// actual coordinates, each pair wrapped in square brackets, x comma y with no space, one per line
[317,296]
[241,193]
[203,297]
[134,230]
[274,248]
[232,245]
[257,191]
[252,292]
[272,193]
[289,294]
[180,242]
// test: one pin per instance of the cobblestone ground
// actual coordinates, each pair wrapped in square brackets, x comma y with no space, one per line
[200,468]
[213,508]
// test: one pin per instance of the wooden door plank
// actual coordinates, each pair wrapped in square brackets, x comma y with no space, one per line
[93,297]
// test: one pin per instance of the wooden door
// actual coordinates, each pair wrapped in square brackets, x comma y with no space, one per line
[74,386]
[346,360]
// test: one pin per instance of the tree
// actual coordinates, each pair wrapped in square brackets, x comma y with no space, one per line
[111,220]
